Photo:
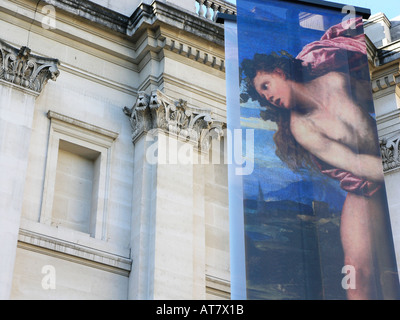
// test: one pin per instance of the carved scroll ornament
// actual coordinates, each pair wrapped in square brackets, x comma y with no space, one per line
[175,117]
[390,152]
[20,67]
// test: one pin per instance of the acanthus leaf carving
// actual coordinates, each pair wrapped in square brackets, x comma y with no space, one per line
[139,115]
[20,67]
[390,152]
[174,117]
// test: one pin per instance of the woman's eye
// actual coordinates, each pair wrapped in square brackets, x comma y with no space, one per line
[265,86]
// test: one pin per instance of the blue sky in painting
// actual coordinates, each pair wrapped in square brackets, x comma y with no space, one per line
[388,7]
[265,28]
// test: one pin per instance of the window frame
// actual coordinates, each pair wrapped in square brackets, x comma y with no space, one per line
[92,137]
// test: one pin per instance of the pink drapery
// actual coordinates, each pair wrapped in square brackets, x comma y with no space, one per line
[337,50]
[348,181]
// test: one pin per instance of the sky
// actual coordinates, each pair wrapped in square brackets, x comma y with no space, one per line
[391,8]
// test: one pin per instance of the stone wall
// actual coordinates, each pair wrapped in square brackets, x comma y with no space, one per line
[383,45]
[140,230]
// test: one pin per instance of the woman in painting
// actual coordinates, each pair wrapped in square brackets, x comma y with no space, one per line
[324,122]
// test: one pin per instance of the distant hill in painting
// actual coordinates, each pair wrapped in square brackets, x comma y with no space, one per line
[303,192]
[306,192]
[293,243]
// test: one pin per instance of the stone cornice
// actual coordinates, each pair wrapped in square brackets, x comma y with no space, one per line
[385,54]
[75,252]
[119,22]
[23,69]
[83,125]
[175,118]
[148,19]
[158,13]
[145,15]
[164,18]
[217,286]
[377,18]
[389,53]
[385,118]
[93,12]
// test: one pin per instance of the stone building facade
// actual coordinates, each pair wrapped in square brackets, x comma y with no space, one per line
[383,44]
[90,93]
[112,118]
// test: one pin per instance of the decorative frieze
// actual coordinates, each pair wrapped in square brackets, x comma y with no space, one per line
[195,54]
[385,82]
[174,117]
[20,67]
[390,152]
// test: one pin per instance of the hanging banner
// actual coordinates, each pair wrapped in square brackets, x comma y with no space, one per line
[315,211]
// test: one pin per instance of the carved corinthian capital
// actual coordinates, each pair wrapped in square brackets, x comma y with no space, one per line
[20,67]
[174,117]
[390,152]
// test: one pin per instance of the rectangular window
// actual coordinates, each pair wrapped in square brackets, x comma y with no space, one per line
[76,187]
[77,174]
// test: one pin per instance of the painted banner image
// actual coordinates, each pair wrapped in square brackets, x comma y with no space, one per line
[316,217]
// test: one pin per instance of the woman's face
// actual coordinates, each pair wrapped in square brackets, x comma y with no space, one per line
[274,87]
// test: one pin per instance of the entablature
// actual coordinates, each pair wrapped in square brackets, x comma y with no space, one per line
[96,34]
[181,32]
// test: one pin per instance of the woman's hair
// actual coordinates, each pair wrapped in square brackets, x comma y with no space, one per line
[287,148]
